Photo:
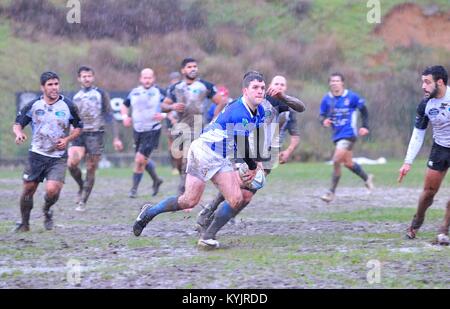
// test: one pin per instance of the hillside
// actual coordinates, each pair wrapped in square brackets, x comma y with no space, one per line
[304,40]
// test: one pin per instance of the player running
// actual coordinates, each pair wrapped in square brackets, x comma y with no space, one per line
[208,159]
[338,111]
[434,109]
[50,116]
[145,103]
[95,112]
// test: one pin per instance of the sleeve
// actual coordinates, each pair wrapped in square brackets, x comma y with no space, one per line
[163,93]
[171,93]
[106,106]
[292,125]
[212,90]
[358,101]
[24,116]
[75,119]
[422,119]
[127,101]
[364,116]
[324,109]
[278,104]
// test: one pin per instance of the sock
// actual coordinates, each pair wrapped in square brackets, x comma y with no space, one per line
[88,185]
[77,175]
[357,169]
[26,204]
[49,201]
[223,214]
[150,168]
[137,177]
[334,182]
[167,205]
[207,214]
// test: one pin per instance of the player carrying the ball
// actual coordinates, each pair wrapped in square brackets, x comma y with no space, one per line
[209,159]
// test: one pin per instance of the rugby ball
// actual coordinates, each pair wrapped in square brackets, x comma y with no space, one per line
[258,182]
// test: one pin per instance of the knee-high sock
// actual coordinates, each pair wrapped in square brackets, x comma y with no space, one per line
[26,204]
[137,177]
[334,182]
[49,201]
[223,214]
[357,169]
[167,205]
[207,214]
[151,170]
[77,175]
[88,185]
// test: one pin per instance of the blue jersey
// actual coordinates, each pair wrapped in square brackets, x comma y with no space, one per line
[232,125]
[342,111]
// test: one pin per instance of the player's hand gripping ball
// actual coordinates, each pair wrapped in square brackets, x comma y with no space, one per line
[258,182]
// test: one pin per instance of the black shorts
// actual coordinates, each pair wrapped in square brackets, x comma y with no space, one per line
[93,142]
[146,142]
[41,167]
[439,159]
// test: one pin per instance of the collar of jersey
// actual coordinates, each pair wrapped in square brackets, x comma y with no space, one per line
[248,108]
[344,94]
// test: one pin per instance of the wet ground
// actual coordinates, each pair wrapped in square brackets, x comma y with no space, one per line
[286,238]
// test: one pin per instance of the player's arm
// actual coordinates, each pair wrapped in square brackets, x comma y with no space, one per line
[416,141]
[361,105]
[292,127]
[124,111]
[292,102]
[23,118]
[77,125]
[325,114]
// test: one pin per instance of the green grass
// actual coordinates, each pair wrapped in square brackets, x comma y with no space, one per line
[388,214]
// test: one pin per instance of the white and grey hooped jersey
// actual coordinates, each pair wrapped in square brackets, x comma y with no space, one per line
[193,96]
[49,123]
[94,108]
[145,103]
[436,111]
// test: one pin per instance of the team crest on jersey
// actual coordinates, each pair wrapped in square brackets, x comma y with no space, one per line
[245,121]
[39,112]
[433,112]
[346,102]
[60,114]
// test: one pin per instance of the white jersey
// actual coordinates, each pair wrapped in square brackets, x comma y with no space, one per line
[436,111]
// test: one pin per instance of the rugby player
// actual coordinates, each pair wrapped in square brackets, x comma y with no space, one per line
[338,111]
[145,103]
[208,159]
[187,98]
[95,112]
[50,116]
[434,109]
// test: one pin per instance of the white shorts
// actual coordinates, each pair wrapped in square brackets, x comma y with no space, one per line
[204,163]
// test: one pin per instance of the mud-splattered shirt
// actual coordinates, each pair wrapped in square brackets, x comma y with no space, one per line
[436,111]
[94,108]
[49,123]
[193,96]
[145,103]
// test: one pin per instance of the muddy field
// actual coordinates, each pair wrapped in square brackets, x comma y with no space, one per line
[287,238]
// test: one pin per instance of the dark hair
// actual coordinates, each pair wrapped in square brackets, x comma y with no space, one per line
[186,61]
[46,76]
[340,75]
[85,69]
[251,76]
[438,72]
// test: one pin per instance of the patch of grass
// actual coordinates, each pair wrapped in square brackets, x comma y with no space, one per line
[391,214]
